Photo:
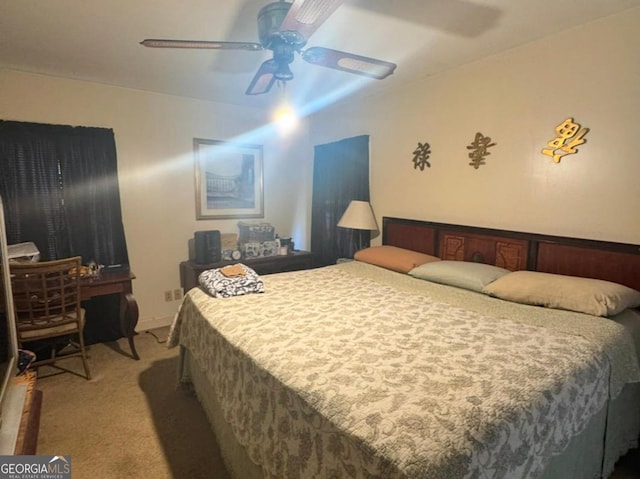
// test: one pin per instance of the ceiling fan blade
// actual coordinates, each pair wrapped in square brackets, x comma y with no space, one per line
[264,78]
[305,16]
[349,62]
[202,44]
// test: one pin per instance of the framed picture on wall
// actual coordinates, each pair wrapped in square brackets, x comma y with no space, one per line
[229,180]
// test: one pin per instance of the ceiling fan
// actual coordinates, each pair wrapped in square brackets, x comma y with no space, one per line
[284,28]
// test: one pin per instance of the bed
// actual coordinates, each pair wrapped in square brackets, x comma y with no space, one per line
[409,362]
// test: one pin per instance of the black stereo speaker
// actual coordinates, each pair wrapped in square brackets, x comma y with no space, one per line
[208,247]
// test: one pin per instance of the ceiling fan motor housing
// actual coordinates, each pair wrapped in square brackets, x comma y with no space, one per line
[270,18]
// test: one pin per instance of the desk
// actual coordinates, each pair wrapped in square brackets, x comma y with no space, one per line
[116,283]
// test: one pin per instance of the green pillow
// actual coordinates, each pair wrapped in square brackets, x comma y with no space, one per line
[461,274]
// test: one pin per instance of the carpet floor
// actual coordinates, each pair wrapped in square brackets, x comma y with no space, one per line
[130,421]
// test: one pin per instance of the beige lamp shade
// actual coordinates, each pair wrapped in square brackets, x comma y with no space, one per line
[359,216]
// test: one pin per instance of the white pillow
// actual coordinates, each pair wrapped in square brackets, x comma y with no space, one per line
[584,295]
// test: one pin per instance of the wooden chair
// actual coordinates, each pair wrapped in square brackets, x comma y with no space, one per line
[46,298]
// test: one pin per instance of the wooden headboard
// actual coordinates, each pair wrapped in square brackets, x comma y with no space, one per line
[617,262]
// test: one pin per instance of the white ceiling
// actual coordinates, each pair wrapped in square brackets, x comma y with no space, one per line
[99,41]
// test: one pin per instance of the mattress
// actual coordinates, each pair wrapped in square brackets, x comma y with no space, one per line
[356,371]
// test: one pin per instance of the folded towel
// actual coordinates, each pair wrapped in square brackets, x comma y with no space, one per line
[232,270]
[233,282]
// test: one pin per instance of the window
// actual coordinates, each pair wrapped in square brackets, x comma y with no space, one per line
[60,188]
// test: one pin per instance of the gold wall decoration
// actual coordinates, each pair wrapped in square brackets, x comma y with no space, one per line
[479,149]
[421,156]
[569,136]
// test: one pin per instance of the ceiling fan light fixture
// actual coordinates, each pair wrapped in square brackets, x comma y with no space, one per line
[283,72]
[284,117]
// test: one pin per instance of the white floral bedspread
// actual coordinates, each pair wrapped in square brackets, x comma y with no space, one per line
[355,372]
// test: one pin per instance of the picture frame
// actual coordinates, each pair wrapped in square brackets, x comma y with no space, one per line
[228,180]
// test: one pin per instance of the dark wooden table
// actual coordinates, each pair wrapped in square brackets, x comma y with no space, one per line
[116,282]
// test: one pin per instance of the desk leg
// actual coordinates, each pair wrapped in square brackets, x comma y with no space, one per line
[129,320]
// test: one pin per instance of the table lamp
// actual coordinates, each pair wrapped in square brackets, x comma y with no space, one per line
[358,216]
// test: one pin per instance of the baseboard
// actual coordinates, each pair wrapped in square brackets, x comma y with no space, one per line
[27,441]
[153,323]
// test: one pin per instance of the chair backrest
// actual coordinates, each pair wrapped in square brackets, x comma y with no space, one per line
[46,291]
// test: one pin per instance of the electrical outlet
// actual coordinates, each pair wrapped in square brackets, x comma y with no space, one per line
[167,296]
[177,294]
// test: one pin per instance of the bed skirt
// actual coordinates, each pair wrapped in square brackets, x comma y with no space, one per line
[581,460]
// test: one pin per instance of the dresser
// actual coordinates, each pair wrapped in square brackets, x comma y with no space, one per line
[297,260]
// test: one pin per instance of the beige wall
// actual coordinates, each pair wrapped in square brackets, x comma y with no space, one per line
[590,73]
[154,137]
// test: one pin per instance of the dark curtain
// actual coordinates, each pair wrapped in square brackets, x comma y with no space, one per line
[340,174]
[60,188]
